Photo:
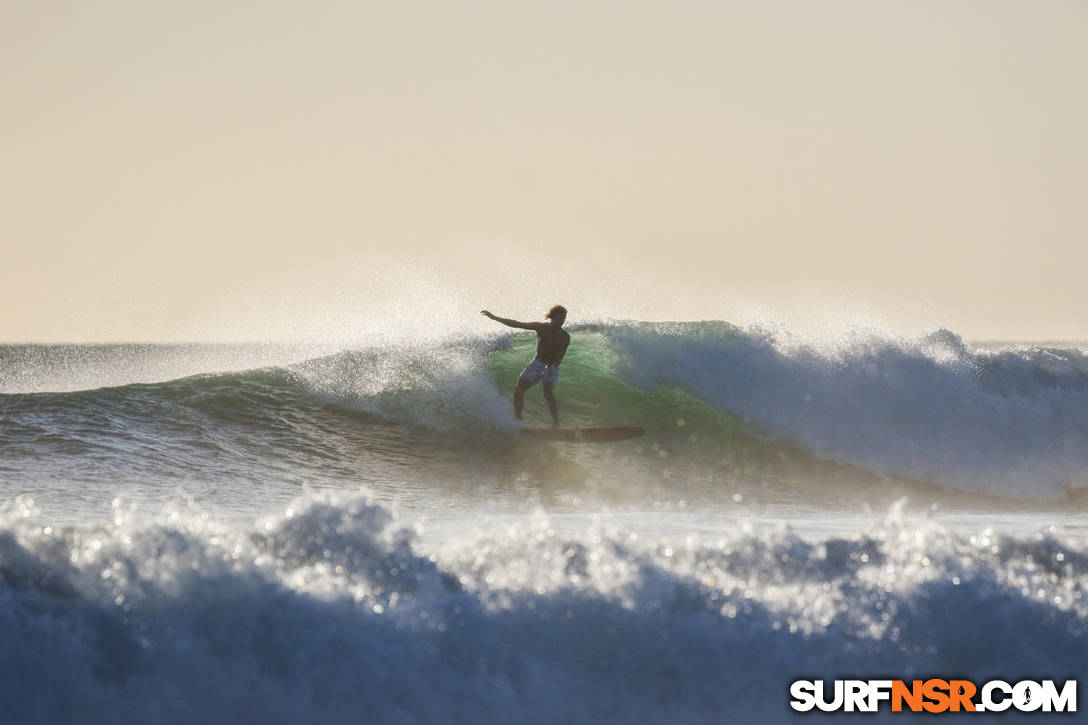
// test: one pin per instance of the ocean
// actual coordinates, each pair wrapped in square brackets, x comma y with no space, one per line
[272,534]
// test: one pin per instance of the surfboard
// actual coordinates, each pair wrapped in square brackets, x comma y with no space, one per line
[600,434]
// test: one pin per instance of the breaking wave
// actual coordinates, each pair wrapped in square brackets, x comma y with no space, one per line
[337,612]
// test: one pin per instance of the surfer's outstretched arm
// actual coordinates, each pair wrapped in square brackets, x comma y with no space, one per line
[513,323]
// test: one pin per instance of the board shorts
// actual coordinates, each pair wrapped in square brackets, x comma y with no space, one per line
[537,371]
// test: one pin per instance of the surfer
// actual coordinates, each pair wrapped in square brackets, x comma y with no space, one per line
[551,344]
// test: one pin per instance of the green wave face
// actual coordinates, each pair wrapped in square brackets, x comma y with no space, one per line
[590,392]
[682,431]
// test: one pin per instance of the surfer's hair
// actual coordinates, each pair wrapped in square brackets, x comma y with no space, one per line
[556,311]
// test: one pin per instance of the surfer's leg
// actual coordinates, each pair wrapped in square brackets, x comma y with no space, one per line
[553,404]
[519,396]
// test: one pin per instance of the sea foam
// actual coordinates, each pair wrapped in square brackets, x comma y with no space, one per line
[336,611]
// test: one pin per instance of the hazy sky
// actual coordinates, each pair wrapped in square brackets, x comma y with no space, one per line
[224,170]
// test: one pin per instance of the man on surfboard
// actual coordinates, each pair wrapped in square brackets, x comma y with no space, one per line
[551,345]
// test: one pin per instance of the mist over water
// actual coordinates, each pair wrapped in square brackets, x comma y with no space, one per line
[341,534]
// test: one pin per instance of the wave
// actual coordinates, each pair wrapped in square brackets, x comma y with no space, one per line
[1010,421]
[720,404]
[337,612]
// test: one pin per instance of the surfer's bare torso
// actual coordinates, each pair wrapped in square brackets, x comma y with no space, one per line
[551,343]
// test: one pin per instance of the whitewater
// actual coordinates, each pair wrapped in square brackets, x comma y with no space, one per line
[300,533]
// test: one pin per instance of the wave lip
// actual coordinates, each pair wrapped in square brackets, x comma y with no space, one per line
[335,612]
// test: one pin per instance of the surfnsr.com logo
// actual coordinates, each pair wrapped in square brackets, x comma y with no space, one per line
[933,696]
